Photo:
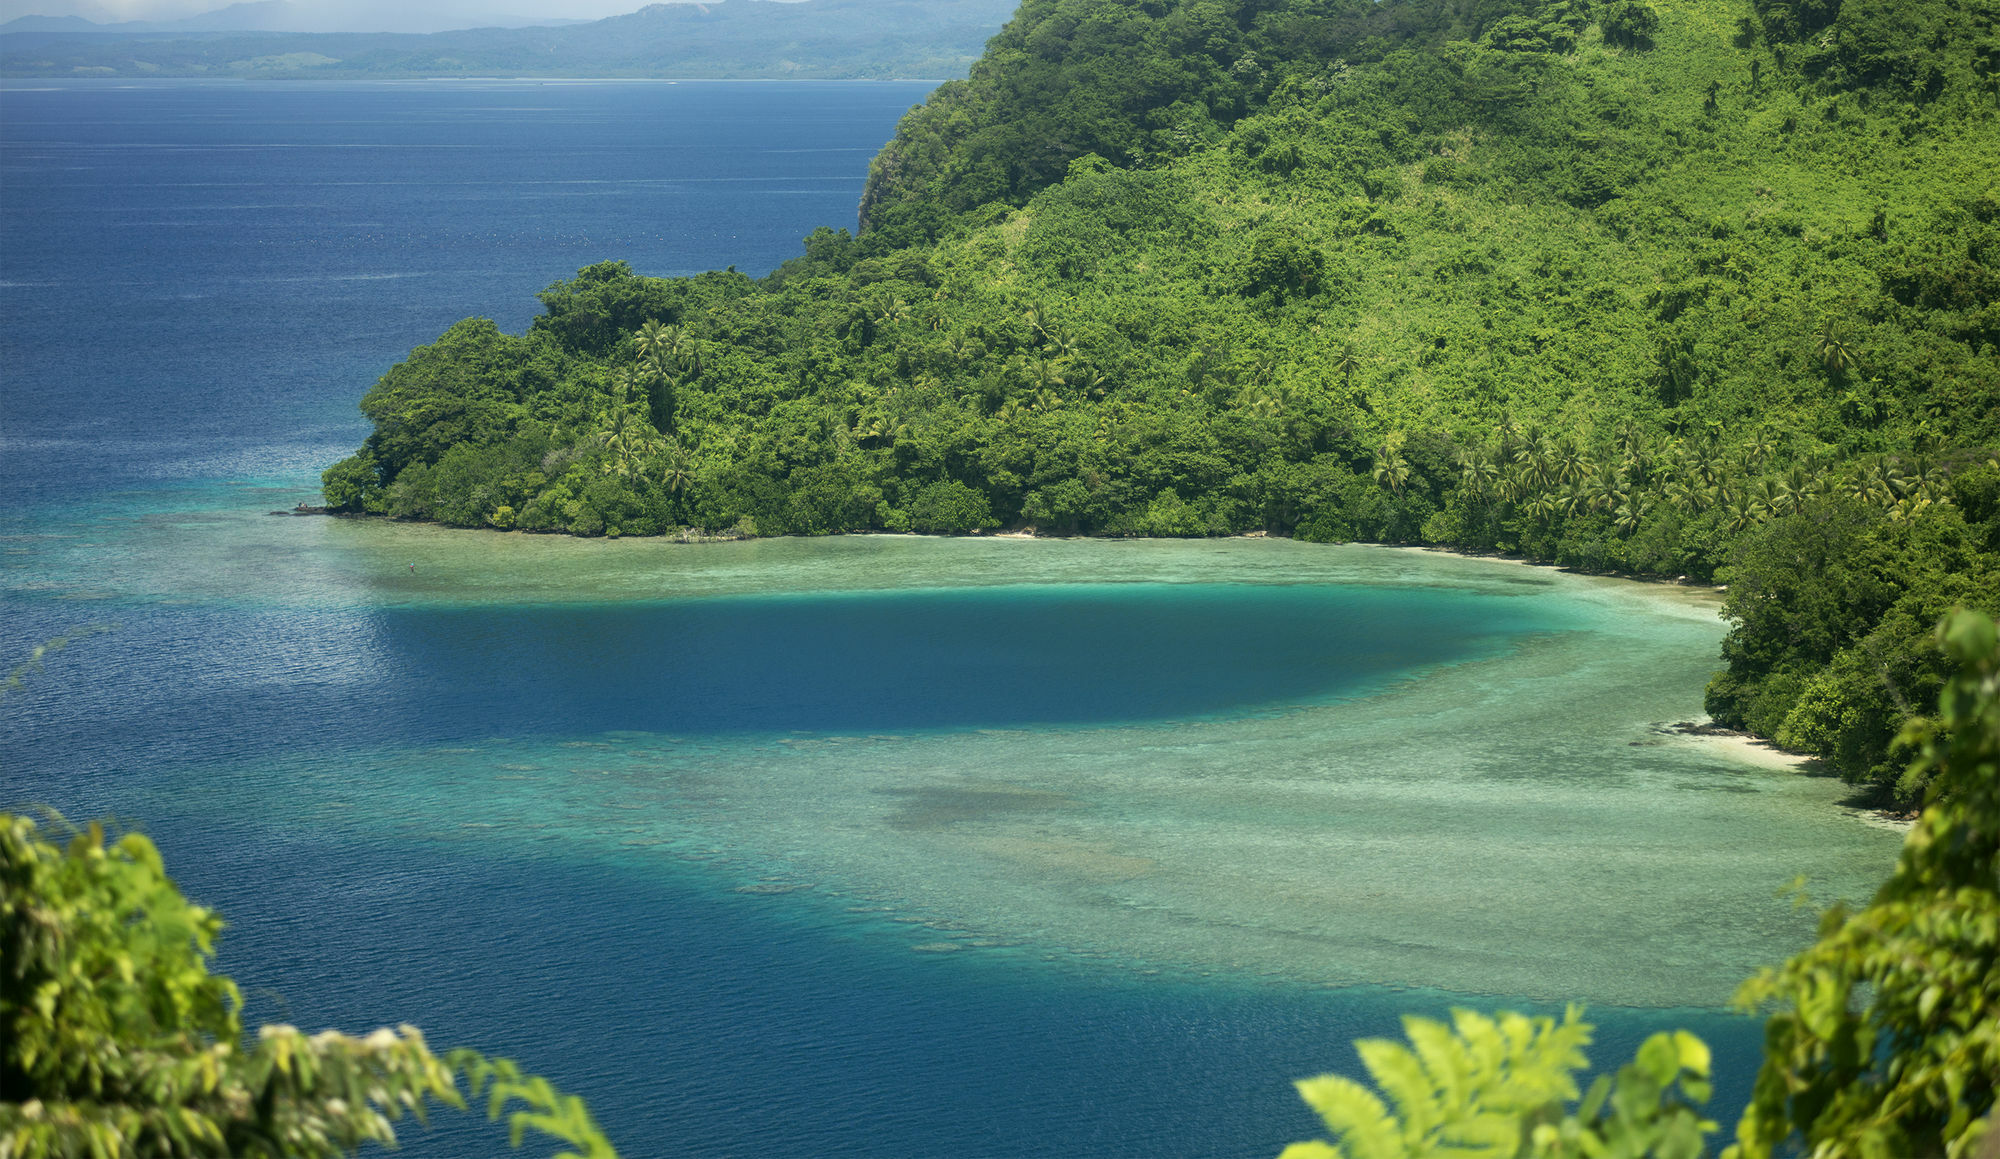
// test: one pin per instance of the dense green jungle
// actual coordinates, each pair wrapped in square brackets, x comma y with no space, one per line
[1695,288]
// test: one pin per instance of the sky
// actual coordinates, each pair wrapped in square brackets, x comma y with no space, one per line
[338,15]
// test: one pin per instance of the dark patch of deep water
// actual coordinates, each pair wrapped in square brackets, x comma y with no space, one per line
[869,662]
[699,1025]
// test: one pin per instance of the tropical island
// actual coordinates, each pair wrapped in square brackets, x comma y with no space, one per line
[1701,289]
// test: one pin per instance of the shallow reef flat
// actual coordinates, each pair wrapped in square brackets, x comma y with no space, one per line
[1503,818]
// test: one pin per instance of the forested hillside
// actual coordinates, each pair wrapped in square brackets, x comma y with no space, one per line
[1704,288]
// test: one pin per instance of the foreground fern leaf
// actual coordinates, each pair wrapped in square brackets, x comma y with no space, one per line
[1498,1087]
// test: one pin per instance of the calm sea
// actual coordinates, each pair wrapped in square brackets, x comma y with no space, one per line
[875,846]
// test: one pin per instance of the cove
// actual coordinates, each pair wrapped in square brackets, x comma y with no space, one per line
[739,809]
[1255,758]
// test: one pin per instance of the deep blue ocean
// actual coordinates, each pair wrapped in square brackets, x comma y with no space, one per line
[200,279]
[197,283]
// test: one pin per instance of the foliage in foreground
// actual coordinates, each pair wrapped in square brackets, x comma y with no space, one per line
[116,1040]
[1498,1087]
[1911,1072]
[1885,1041]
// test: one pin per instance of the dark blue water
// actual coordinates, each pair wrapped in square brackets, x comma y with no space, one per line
[198,281]
[699,1027]
[201,279]
[185,682]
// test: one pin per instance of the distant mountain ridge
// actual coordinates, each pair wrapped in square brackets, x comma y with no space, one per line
[873,39]
[249,16]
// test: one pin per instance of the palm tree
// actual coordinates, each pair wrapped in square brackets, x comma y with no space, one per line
[666,349]
[1888,482]
[628,439]
[1631,513]
[1702,465]
[1045,374]
[1834,352]
[1858,483]
[1470,475]
[1756,449]
[1859,407]
[1604,488]
[1740,513]
[676,467]
[1262,402]
[1038,323]
[1909,508]
[1569,462]
[625,387]
[1765,497]
[665,353]
[1927,479]
[940,308]
[1532,454]
[1345,364]
[890,310]
[963,348]
[653,339]
[1391,470]
[1630,438]
[1797,489]
[1637,465]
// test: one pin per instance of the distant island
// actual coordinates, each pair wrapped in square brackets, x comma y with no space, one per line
[734,39]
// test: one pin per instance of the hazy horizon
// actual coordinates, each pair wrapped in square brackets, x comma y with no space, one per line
[334,15]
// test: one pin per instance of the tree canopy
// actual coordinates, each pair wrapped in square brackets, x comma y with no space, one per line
[117,1040]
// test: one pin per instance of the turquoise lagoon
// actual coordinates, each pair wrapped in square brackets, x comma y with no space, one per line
[1330,765]
[1312,784]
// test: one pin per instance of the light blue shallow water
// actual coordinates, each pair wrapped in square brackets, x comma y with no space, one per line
[872,846]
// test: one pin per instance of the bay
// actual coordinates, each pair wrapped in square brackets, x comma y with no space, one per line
[870,845]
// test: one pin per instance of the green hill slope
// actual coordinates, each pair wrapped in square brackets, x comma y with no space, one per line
[1701,288]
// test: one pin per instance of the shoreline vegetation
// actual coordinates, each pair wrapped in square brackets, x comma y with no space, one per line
[1698,290]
